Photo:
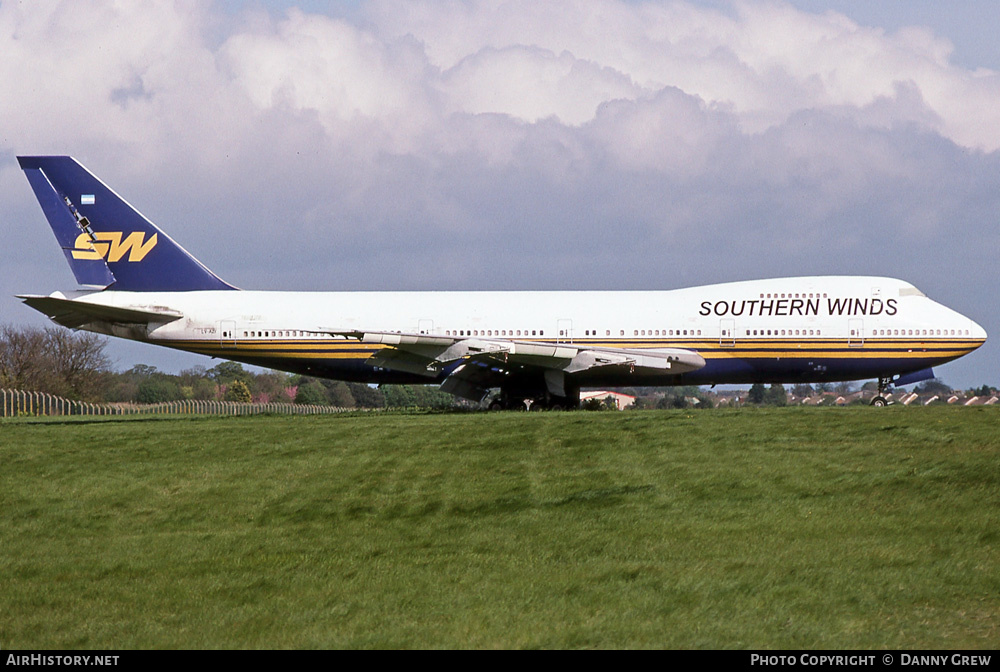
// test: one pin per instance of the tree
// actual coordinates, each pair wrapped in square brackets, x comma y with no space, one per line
[312,392]
[225,372]
[776,395]
[642,402]
[23,362]
[340,395]
[844,388]
[757,393]
[158,388]
[203,390]
[672,401]
[196,384]
[79,361]
[53,360]
[271,386]
[399,396]
[142,371]
[366,396]
[145,384]
[430,396]
[238,391]
[802,390]
[121,387]
[933,386]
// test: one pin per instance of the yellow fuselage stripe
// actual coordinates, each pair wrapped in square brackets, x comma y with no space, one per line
[709,349]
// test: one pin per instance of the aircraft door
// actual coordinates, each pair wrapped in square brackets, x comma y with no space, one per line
[227,333]
[727,333]
[425,326]
[564,331]
[855,333]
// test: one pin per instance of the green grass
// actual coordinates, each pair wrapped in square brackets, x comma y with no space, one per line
[786,528]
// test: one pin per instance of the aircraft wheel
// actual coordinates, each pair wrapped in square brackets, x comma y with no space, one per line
[496,405]
[879,401]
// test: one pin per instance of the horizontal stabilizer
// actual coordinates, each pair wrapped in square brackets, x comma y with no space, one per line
[75,313]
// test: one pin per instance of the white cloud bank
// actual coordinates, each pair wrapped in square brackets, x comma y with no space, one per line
[410,66]
[513,144]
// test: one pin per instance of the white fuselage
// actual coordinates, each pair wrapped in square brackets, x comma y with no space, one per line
[781,330]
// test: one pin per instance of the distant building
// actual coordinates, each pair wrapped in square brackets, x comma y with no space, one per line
[621,400]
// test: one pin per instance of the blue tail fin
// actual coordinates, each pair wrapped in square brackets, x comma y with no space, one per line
[107,242]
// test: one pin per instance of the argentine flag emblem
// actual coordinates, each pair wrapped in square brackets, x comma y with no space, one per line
[87,199]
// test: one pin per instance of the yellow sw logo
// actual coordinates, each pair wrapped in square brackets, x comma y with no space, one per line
[114,248]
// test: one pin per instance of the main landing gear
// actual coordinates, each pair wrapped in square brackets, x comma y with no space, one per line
[504,403]
[552,402]
[519,401]
[883,385]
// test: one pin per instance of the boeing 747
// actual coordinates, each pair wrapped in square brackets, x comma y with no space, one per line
[537,348]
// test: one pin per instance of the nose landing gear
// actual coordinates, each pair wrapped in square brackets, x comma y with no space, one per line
[883,385]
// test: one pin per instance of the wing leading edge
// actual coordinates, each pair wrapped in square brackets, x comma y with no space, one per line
[473,365]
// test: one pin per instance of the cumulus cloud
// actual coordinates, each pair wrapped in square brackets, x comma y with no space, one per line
[511,143]
[340,72]
[530,84]
[150,71]
[764,60]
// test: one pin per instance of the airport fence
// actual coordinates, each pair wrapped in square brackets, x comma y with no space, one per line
[19,403]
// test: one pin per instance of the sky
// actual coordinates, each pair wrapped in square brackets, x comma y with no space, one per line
[590,144]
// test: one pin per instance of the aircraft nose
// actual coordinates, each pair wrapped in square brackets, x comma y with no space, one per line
[977,331]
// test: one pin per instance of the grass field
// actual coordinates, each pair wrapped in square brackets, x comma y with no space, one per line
[783,528]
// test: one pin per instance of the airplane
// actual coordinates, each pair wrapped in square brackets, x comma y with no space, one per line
[538,348]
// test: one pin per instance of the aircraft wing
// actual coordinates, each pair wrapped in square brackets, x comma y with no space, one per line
[474,364]
[74,313]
